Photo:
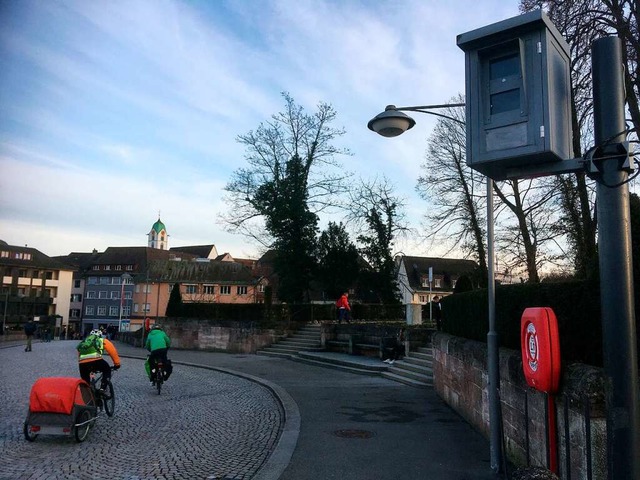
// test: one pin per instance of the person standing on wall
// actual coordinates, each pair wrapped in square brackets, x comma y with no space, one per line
[343,308]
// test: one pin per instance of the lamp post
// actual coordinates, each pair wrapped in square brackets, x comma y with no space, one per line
[4,315]
[125,277]
[391,123]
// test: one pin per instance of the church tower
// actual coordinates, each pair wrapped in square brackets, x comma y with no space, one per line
[158,237]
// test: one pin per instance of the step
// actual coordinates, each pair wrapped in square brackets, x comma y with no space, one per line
[424,351]
[418,362]
[300,341]
[280,349]
[350,361]
[423,376]
[407,381]
[275,354]
[335,366]
[406,364]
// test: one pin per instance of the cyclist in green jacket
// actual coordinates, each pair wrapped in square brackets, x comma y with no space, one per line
[158,343]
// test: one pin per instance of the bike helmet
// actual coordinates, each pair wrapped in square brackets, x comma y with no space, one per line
[96,332]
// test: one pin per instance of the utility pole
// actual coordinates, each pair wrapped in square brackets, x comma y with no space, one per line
[615,258]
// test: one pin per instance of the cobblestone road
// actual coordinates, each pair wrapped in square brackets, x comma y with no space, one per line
[204,425]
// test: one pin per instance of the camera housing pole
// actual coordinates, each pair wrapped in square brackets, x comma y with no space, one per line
[615,259]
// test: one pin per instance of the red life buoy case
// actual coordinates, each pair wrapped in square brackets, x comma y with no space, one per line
[540,344]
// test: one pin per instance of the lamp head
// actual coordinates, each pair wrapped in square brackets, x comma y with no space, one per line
[391,122]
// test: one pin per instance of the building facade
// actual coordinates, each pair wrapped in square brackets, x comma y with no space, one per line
[34,287]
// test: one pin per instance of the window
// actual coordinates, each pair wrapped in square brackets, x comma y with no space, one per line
[135,308]
[209,289]
[93,280]
[118,267]
[225,290]
[261,288]
[107,267]
[35,274]
[91,294]
[74,313]
[77,283]
[147,307]
[437,282]
[76,297]
[127,295]
[4,254]
[22,273]
[104,281]
[126,310]
[423,299]
[113,311]
[89,310]
[50,276]
[241,290]
[96,267]
[129,267]
[102,294]
[115,295]
[190,289]
[102,310]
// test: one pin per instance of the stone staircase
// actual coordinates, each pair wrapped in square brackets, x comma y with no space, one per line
[416,369]
[307,339]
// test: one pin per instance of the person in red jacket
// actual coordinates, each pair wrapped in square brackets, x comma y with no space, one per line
[344,308]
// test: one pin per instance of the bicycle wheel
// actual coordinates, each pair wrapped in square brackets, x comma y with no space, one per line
[109,399]
[28,434]
[159,379]
[83,425]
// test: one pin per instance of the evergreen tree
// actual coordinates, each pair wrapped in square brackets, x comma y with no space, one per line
[174,306]
[338,266]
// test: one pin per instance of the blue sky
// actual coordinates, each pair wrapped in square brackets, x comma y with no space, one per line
[113,111]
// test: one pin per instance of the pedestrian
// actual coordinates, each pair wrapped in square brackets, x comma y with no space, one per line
[344,308]
[398,347]
[437,312]
[29,329]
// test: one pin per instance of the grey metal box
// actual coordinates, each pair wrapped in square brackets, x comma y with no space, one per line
[518,96]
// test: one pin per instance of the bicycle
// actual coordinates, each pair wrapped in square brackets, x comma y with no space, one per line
[105,398]
[158,375]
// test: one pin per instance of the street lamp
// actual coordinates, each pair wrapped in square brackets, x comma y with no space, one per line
[391,123]
[125,277]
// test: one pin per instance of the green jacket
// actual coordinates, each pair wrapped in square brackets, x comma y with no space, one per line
[157,339]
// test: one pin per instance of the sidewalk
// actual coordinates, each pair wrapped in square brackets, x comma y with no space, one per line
[354,426]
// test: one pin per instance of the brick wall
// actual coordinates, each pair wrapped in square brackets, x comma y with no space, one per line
[461,377]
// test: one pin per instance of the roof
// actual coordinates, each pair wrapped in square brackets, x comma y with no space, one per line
[159,226]
[139,257]
[172,271]
[418,267]
[201,251]
[36,259]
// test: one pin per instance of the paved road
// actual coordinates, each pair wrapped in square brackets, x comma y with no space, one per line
[205,424]
[337,425]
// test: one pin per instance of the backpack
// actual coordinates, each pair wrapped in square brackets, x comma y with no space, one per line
[91,344]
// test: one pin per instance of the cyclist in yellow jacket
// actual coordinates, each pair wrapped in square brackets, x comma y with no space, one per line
[90,359]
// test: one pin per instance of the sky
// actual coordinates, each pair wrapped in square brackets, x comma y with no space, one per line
[113,113]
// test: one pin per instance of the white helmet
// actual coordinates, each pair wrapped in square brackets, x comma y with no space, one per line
[96,332]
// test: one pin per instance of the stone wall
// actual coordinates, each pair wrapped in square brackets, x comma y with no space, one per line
[230,337]
[461,377]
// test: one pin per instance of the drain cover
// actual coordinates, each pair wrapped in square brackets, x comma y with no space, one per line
[353,433]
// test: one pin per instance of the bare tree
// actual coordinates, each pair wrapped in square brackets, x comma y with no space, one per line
[455,192]
[377,215]
[270,149]
[581,23]
[526,236]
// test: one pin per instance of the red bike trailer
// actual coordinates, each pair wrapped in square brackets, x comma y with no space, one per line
[60,406]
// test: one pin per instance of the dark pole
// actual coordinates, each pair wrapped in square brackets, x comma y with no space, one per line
[493,348]
[616,280]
